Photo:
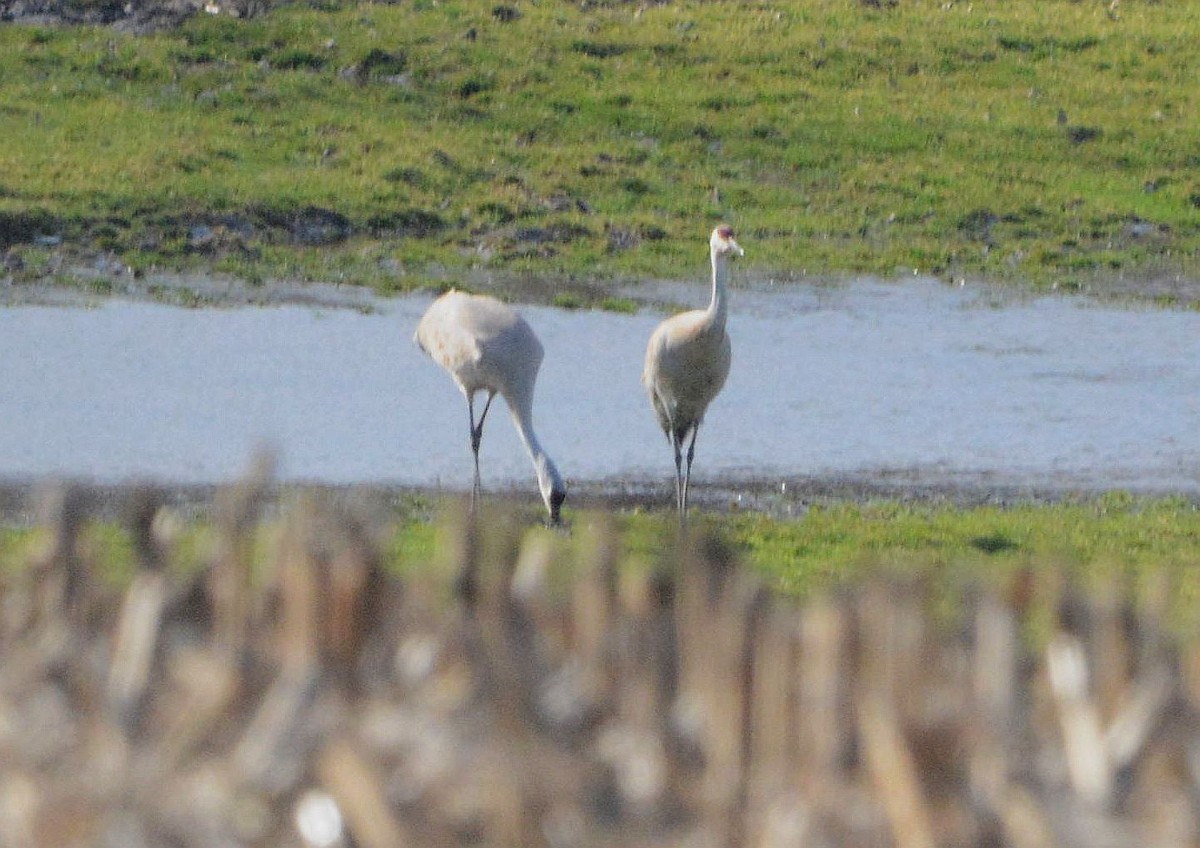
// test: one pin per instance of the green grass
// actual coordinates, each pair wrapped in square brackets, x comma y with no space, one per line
[1112,534]
[1145,548]
[603,143]
[1141,548]
[1137,543]
[16,544]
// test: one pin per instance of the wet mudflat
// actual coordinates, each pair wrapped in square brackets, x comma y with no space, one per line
[903,383]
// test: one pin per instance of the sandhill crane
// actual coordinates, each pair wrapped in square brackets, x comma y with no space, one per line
[487,347]
[687,362]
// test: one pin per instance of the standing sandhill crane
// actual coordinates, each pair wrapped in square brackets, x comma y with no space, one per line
[487,347]
[687,362]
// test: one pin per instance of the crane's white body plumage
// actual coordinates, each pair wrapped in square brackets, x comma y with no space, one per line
[486,346]
[687,362]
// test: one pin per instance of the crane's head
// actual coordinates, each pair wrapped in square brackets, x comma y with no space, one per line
[722,242]
[557,496]
[552,487]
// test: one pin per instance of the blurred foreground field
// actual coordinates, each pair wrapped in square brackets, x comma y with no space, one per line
[513,685]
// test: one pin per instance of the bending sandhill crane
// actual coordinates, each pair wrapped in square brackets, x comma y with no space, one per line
[487,347]
[687,362]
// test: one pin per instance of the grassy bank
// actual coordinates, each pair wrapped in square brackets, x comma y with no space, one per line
[426,142]
[1142,544]
[829,542]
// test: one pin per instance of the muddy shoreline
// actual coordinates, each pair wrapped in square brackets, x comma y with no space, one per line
[22,502]
[105,279]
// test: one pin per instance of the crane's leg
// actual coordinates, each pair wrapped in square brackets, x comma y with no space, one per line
[475,434]
[677,446]
[687,474]
[663,408]
[476,438]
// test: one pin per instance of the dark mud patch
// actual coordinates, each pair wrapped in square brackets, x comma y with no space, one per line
[39,250]
[29,228]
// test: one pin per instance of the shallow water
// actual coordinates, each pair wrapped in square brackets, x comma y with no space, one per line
[900,382]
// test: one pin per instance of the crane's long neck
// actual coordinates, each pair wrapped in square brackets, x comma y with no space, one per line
[718,308]
[520,404]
